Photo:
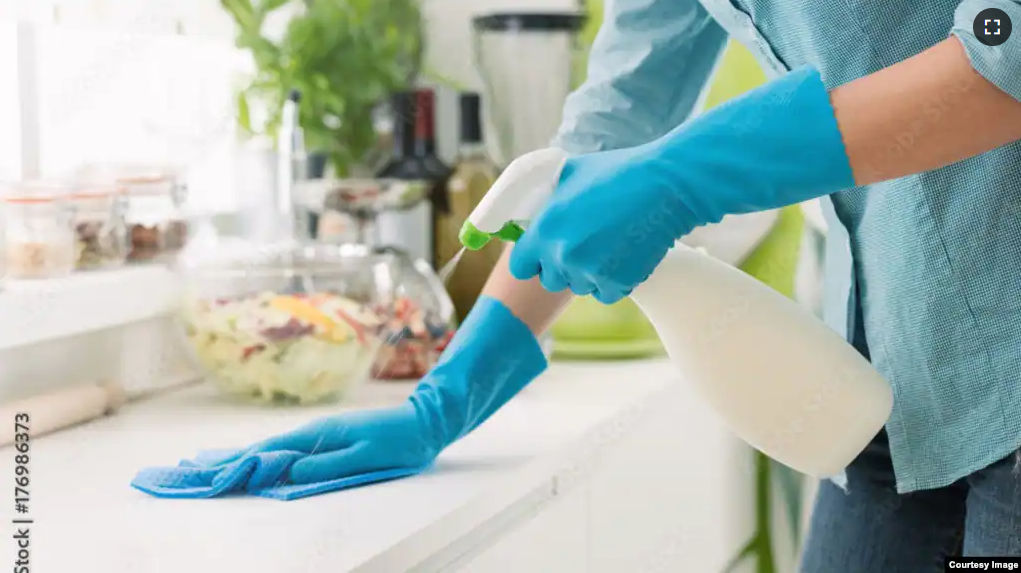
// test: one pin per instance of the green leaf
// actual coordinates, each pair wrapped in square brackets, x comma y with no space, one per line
[747,551]
[442,80]
[268,6]
[242,12]
[791,490]
[764,513]
[343,55]
[244,113]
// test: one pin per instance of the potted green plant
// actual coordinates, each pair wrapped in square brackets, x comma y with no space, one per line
[344,56]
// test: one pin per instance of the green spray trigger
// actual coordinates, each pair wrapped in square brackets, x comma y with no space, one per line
[474,239]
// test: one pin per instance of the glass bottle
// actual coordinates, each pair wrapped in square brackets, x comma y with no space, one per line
[414,164]
[474,173]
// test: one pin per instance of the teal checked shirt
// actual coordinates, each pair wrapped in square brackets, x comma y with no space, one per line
[931,261]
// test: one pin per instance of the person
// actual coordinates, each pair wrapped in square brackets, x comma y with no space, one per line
[906,118]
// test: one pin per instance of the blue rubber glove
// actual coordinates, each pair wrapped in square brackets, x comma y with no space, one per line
[490,359]
[615,214]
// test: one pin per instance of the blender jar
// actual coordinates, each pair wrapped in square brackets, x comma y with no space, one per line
[39,240]
[528,63]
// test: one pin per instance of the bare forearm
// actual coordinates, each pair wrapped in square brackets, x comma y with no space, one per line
[921,114]
[528,300]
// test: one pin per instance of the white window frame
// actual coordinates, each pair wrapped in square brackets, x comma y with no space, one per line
[27,81]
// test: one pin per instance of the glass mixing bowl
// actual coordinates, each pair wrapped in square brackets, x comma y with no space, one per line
[419,318]
[292,324]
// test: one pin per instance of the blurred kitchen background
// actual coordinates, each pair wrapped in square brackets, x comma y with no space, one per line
[173,89]
[163,122]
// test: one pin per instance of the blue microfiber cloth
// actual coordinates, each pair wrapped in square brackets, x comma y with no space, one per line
[262,474]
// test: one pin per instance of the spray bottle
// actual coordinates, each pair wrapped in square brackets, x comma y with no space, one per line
[779,378]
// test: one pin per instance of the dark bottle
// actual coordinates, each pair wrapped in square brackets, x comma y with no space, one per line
[474,173]
[414,162]
[425,132]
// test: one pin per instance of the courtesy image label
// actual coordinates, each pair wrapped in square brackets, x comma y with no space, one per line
[982,564]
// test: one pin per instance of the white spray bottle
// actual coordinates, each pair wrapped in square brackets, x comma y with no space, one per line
[783,382]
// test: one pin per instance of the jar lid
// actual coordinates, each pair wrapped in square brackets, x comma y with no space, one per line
[97,191]
[34,191]
[530,21]
[134,179]
[147,179]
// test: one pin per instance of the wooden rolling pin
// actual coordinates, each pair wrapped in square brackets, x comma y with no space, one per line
[61,409]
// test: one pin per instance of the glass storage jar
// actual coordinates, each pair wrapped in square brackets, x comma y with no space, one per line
[157,230]
[39,240]
[101,238]
[3,239]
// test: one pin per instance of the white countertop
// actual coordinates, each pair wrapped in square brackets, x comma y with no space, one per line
[88,519]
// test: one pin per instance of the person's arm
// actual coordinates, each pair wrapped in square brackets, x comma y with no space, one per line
[648,66]
[954,101]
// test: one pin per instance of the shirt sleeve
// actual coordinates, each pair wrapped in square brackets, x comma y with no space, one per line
[648,65]
[1001,64]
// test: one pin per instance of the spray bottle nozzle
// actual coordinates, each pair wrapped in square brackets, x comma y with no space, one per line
[475,239]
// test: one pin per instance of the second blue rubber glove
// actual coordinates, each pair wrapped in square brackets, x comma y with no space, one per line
[615,214]
[491,358]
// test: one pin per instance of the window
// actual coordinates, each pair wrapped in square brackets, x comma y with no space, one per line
[133,83]
[120,97]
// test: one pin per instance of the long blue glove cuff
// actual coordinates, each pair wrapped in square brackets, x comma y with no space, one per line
[492,357]
[774,146]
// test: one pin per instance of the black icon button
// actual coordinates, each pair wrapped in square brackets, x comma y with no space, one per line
[992,26]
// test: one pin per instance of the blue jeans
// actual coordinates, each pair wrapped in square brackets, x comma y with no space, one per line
[872,528]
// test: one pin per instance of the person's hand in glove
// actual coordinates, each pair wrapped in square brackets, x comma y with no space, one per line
[490,359]
[615,214]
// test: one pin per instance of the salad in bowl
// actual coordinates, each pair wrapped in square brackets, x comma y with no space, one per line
[294,324]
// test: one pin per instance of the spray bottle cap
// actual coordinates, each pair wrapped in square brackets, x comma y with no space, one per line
[474,239]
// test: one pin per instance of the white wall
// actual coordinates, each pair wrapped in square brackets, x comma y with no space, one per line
[117,97]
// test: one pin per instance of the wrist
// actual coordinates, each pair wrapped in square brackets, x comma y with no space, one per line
[427,427]
[491,358]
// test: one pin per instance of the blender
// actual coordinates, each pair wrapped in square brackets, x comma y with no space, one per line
[529,63]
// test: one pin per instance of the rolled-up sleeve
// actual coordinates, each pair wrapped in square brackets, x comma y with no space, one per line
[1001,64]
[648,65]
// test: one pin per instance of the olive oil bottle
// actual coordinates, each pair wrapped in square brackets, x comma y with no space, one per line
[474,173]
